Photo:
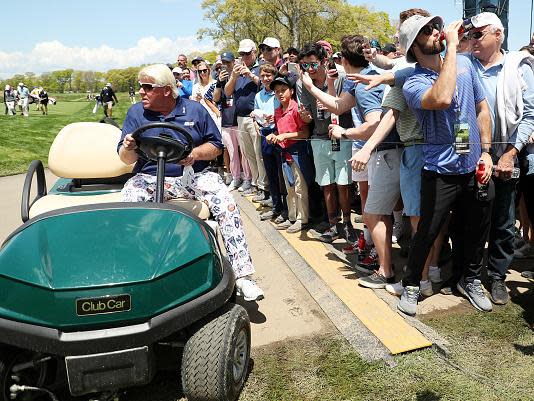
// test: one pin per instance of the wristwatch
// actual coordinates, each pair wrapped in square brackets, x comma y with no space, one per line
[486,150]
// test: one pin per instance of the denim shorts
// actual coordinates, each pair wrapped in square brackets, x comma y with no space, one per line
[332,167]
[410,179]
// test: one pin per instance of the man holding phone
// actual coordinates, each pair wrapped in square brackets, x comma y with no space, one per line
[243,84]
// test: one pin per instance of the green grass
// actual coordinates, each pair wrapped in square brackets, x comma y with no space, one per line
[25,139]
[491,359]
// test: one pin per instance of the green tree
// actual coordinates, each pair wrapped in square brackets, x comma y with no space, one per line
[293,22]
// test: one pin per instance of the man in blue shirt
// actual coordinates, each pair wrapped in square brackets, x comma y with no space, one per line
[243,84]
[449,102]
[185,86]
[489,61]
[188,178]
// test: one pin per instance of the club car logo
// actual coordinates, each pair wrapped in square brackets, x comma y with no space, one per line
[109,304]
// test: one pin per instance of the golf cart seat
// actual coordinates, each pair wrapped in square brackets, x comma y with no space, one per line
[85,158]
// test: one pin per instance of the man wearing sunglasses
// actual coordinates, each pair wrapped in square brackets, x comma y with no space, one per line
[160,102]
[503,75]
[270,48]
[243,84]
[449,103]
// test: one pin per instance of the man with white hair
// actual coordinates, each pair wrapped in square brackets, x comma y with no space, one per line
[503,76]
[188,178]
[23,94]
[449,102]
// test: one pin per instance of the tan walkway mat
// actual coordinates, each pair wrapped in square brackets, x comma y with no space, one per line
[390,328]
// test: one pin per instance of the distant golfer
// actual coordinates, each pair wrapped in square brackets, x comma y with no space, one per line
[108,100]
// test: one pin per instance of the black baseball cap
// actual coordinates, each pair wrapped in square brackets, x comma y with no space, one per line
[197,60]
[289,80]
[227,56]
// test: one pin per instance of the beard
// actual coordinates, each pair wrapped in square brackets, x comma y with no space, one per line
[433,48]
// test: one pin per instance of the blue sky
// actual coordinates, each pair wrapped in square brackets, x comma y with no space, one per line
[104,34]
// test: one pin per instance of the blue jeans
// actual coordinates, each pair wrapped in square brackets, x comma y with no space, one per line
[272,165]
[501,235]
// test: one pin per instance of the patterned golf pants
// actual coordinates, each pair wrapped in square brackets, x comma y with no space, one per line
[209,188]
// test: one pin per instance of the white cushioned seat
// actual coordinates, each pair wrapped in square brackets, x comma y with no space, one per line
[89,150]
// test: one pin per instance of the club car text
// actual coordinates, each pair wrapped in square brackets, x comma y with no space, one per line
[101,305]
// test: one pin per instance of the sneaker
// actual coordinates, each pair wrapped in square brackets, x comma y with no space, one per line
[234,184]
[375,281]
[351,249]
[284,225]
[408,301]
[397,232]
[528,275]
[475,293]
[329,235]
[499,293]
[268,215]
[370,262]
[434,274]
[266,203]
[525,252]
[348,232]
[279,219]
[395,288]
[425,287]
[227,179]
[248,289]
[260,196]
[246,185]
[296,227]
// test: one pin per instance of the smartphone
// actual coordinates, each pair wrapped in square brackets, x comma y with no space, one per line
[292,67]
[238,61]
[223,68]
[332,66]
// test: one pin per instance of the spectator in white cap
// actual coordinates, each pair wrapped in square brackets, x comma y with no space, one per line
[270,48]
[23,94]
[508,83]
[243,85]
[448,100]
[185,87]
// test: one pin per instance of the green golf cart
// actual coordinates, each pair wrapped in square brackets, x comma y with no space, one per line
[99,294]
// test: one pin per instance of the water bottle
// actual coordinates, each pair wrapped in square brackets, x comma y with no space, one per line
[482,189]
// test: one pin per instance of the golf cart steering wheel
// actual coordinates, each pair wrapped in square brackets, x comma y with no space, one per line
[153,147]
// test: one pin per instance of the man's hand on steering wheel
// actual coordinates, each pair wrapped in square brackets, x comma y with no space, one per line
[129,142]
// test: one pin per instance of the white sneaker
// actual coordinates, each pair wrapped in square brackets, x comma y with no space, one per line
[397,232]
[246,185]
[234,184]
[395,289]
[248,289]
[434,275]
[425,288]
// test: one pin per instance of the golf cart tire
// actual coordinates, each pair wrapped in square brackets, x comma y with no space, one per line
[208,363]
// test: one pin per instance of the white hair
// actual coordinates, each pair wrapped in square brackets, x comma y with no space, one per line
[161,74]
[495,28]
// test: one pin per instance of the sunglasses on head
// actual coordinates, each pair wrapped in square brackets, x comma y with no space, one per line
[148,86]
[476,35]
[202,71]
[429,29]
[245,53]
[305,66]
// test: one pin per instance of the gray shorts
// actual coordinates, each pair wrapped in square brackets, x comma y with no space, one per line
[384,181]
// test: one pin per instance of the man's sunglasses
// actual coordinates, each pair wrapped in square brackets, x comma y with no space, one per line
[429,29]
[148,86]
[245,53]
[305,66]
[202,71]
[476,35]
[268,49]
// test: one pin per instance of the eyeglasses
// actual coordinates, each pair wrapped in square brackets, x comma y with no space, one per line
[306,66]
[245,53]
[477,35]
[202,71]
[429,29]
[268,49]
[147,87]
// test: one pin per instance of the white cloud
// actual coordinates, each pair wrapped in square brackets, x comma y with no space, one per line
[54,55]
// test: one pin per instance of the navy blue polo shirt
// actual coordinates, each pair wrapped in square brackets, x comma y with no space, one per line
[244,93]
[187,114]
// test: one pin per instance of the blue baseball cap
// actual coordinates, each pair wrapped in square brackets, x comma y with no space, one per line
[227,56]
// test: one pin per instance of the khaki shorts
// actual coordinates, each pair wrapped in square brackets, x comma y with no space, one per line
[384,181]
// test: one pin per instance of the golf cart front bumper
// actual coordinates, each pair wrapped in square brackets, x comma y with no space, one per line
[53,341]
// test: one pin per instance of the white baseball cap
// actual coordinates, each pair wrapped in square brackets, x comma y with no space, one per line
[177,70]
[246,45]
[486,18]
[271,42]
[409,30]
